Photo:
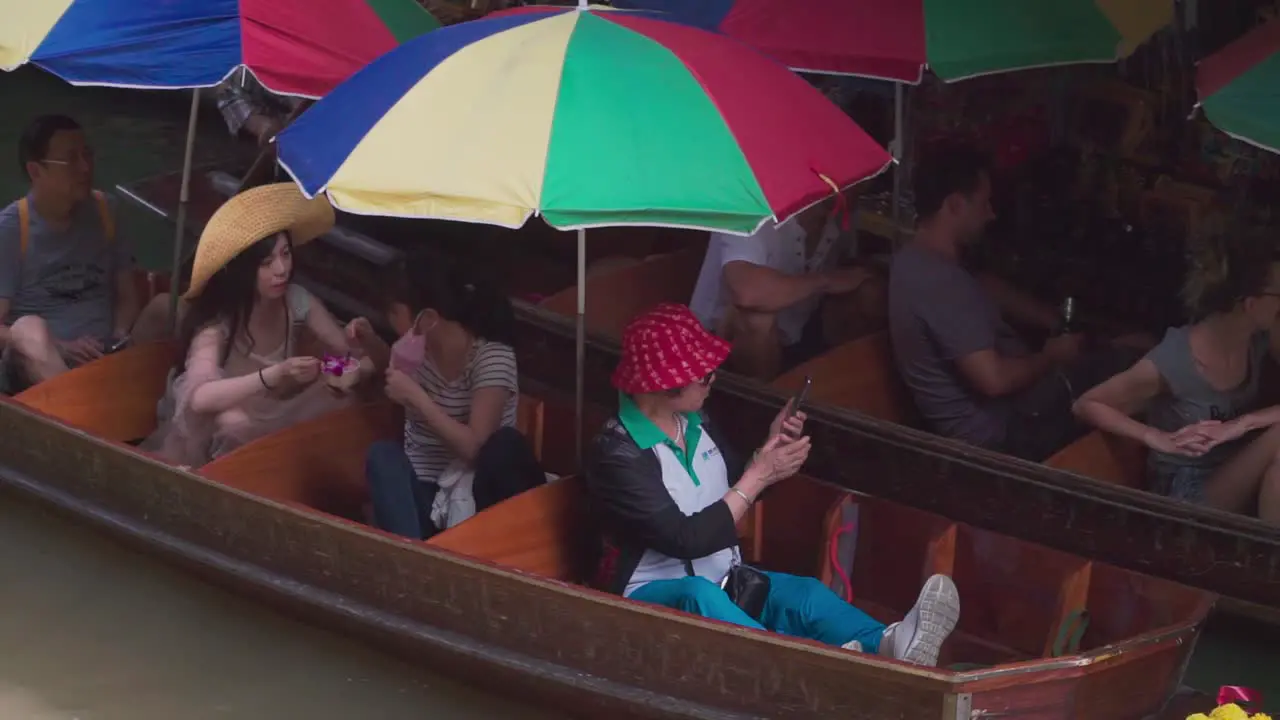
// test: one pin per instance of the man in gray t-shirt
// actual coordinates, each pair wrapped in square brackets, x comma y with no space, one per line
[968,372]
[66,289]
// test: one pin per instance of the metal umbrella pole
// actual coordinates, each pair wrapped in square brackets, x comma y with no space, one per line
[184,196]
[895,149]
[580,343]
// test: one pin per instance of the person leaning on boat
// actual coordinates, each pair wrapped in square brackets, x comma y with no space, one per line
[763,293]
[1210,441]
[454,371]
[970,374]
[242,376]
[659,478]
[66,270]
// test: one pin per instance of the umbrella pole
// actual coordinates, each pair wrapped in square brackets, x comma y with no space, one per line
[184,196]
[896,150]
[580,343]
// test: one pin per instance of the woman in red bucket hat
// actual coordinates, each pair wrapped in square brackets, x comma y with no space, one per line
[668,493]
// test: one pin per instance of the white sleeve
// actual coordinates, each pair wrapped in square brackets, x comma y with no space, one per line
[748,249]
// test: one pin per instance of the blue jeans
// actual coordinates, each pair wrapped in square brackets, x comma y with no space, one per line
[504,467]
[797,606]
[401,502]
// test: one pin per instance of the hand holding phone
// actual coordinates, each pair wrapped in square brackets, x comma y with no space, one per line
[787,423]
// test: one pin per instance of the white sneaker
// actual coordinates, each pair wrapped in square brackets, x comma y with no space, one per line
[918,637]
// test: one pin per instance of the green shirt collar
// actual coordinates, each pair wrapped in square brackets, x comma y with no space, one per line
[647,435]
[642,429]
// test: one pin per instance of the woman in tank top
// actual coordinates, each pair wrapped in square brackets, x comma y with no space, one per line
[1210,441]
[243,375]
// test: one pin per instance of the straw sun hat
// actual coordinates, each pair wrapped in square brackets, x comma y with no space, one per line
[251,216]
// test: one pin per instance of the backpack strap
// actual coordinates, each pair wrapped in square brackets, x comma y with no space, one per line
[24,222]
[104,214]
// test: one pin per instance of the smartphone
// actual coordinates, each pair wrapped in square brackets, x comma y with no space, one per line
[116,346]
[797,402]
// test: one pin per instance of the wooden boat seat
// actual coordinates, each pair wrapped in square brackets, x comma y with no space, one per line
[1106,457]
[858,375]
[617,294]
[113,397]
[1019,600]
[318,463]
[546,531]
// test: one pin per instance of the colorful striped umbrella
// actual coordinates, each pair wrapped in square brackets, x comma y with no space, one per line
[293,47]
[587,116]
[955,38]
[1239,87]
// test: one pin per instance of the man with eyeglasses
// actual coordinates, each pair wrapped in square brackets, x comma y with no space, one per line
[66,275]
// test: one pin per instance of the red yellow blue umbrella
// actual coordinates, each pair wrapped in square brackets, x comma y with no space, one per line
[586,116]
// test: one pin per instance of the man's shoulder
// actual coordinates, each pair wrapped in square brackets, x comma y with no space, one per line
[918,268]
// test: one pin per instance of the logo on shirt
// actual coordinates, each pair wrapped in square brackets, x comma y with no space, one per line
[710,453]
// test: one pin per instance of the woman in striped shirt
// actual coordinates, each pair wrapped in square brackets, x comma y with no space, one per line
[454,371]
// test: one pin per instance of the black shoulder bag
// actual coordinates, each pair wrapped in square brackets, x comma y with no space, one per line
[746,586]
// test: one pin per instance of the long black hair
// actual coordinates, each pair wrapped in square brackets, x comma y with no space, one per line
[457,294]
[228,297]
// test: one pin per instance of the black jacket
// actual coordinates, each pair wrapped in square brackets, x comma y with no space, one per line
[634,512]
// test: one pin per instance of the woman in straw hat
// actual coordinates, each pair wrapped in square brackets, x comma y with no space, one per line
[669,493]
[241,377]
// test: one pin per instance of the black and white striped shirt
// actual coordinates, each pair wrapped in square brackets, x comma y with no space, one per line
[492,364]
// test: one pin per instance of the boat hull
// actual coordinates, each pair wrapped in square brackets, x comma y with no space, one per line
[553,643]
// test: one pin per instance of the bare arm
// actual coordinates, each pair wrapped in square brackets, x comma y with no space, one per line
[325,327]
[758,288]
[128,303]
[1019,306]
[1111,405]
[994,375]
[466,440]
[216,396]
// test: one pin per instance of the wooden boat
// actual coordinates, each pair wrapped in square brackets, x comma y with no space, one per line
[495,599]
[863,438]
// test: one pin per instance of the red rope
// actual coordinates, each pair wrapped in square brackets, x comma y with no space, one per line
[833,553]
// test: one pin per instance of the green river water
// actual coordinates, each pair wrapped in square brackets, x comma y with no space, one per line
[105,633]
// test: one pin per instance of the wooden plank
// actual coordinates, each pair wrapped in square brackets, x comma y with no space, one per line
[113,397]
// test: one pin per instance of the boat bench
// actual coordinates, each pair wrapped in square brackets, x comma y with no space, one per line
[858,375]
[620,292]
[1039,602]
[547,532]
[1104,456]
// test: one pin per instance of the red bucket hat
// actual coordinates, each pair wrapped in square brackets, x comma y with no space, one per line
[666,348]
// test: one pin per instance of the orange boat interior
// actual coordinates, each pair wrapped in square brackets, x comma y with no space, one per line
[1018,599]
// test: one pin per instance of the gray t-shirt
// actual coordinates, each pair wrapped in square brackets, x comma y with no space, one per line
[66,277]
[1191,399]
[939,313]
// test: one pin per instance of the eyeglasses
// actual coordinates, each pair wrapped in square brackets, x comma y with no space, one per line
[83,157]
